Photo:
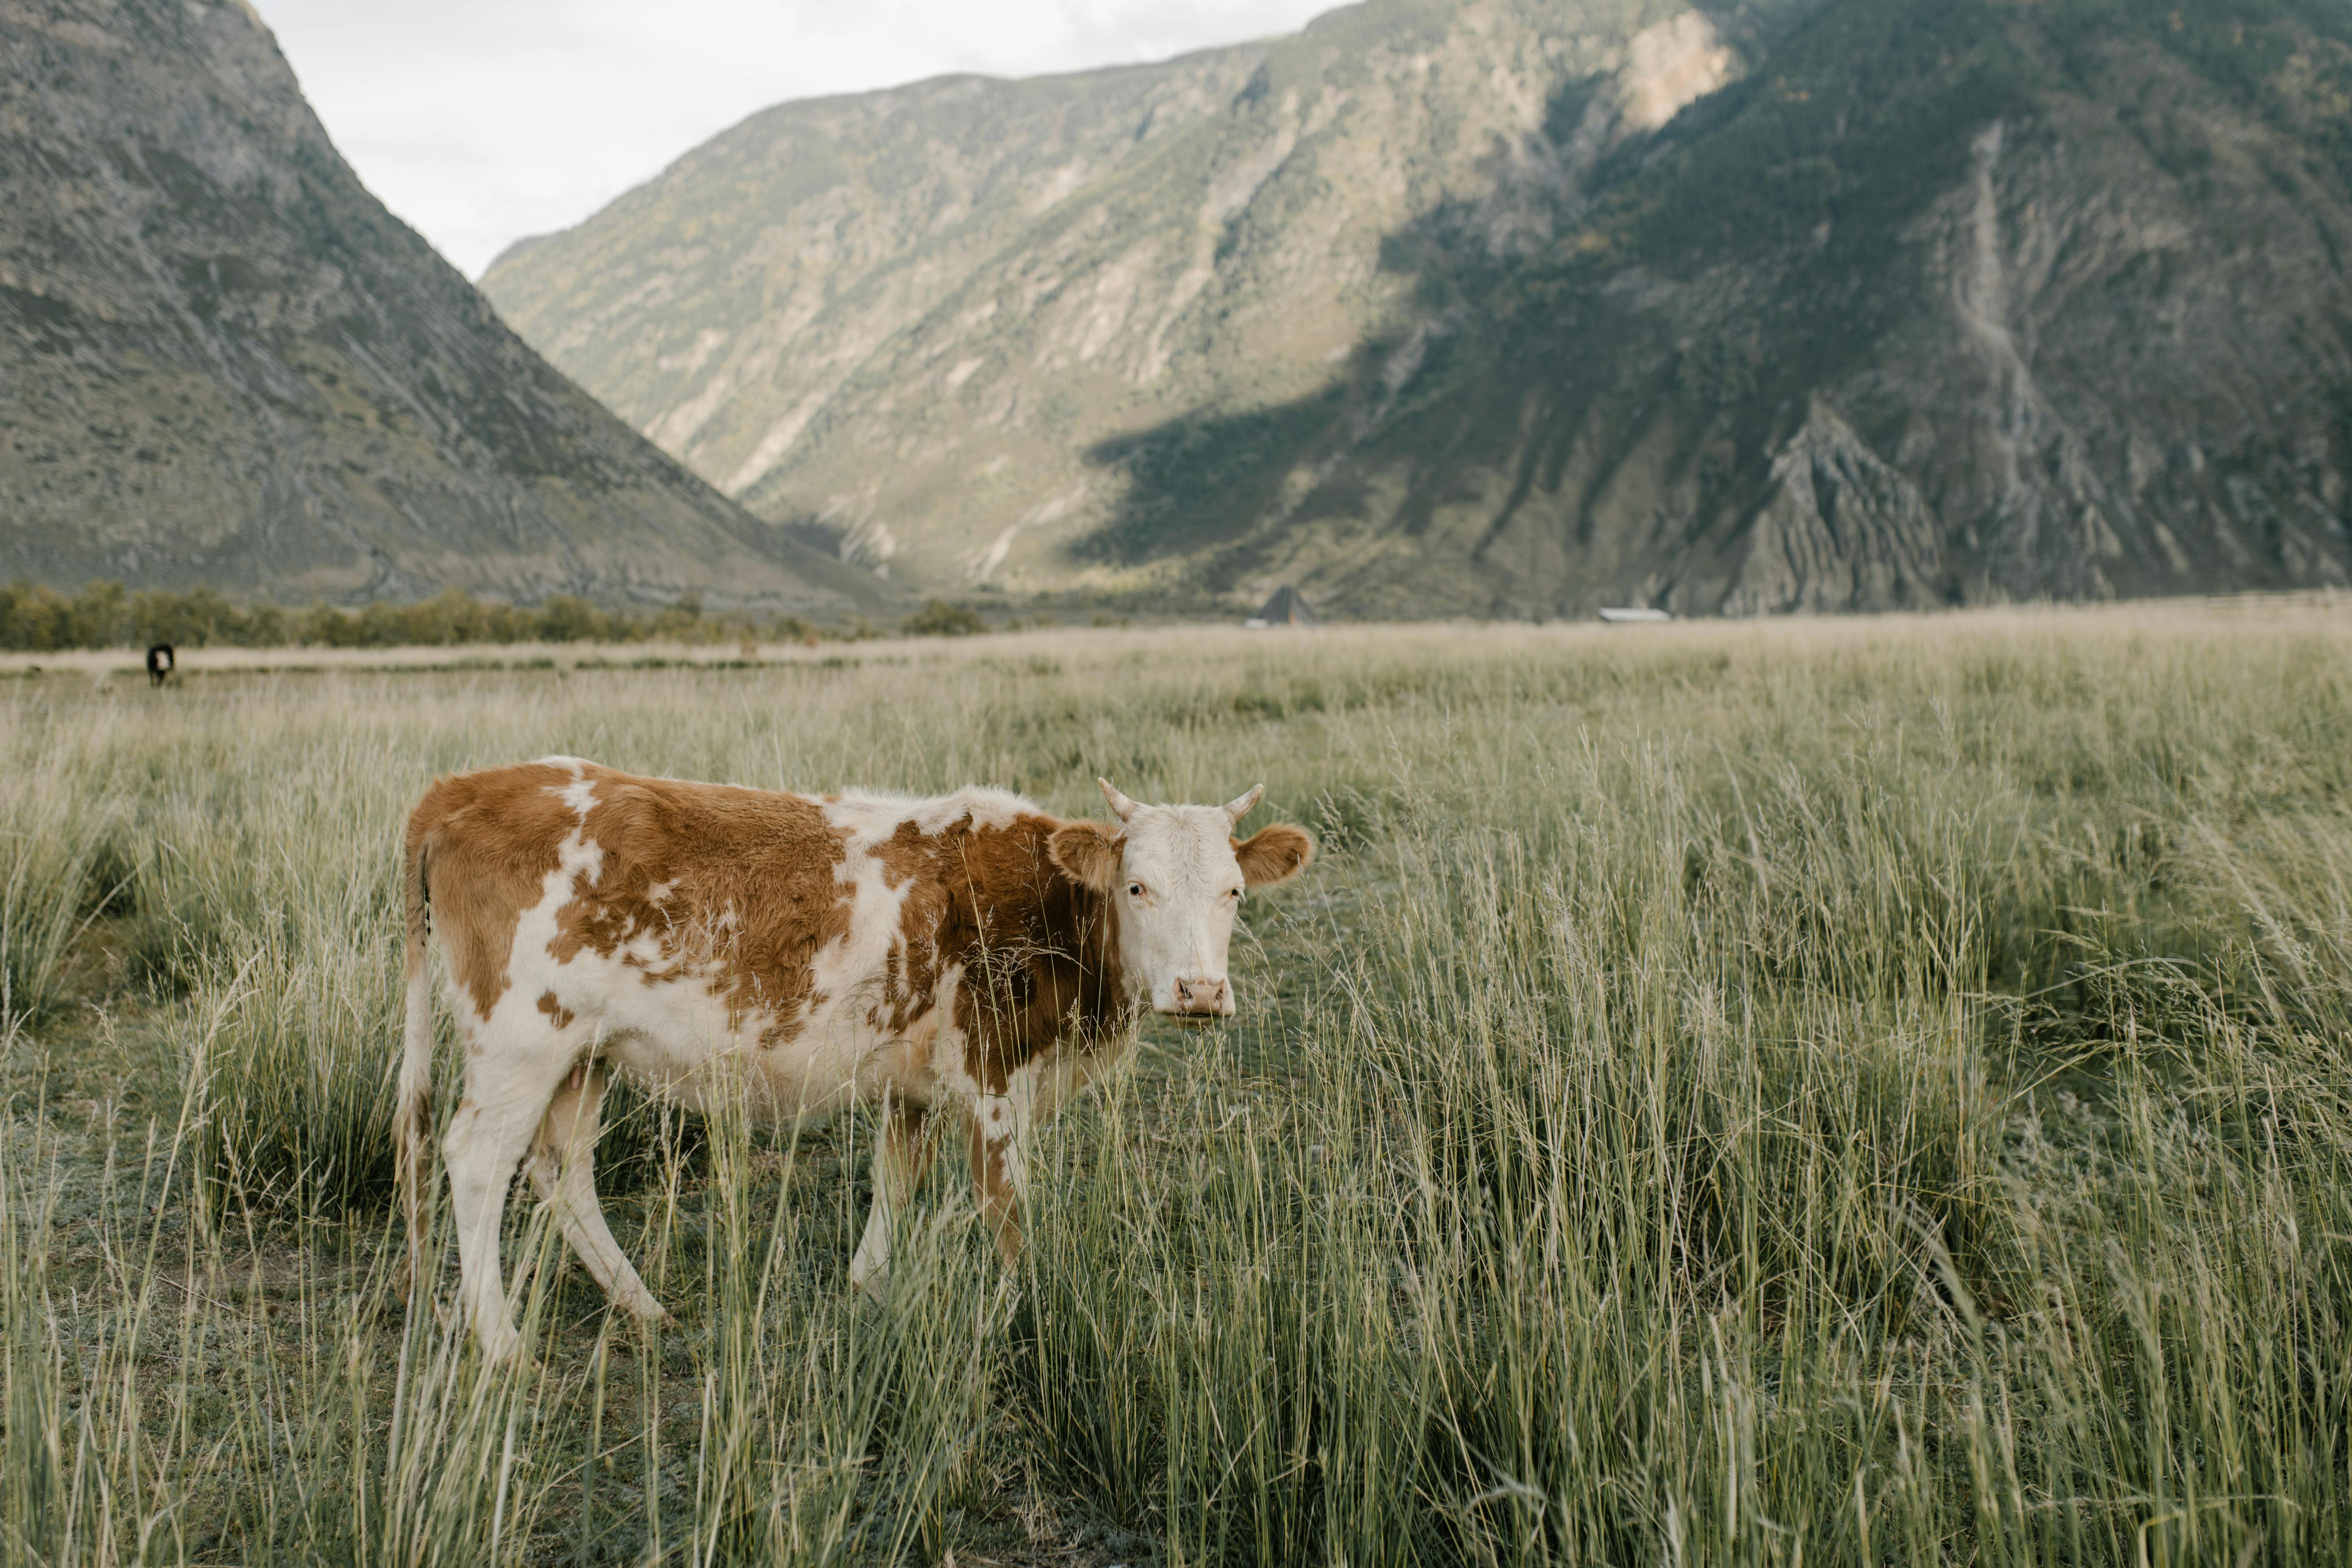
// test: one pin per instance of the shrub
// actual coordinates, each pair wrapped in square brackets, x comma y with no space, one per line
[939,618]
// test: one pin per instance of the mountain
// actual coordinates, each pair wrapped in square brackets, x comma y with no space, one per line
[1507,308]
[222,361]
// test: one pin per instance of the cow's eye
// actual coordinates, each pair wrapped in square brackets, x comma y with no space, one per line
[1135,890]
[1233,892]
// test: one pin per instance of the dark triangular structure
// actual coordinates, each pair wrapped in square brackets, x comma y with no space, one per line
[1287,608]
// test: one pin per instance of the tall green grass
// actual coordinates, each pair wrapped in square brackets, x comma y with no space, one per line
[1866,1091]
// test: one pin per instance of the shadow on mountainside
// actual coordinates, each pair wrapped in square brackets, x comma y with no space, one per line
[1610,413]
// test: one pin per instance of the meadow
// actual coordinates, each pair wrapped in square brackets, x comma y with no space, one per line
[1868,1090]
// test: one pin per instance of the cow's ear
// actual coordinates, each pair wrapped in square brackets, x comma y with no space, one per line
[1272,855]
[1087,853]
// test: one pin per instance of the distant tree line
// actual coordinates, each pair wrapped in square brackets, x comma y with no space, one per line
[105,614]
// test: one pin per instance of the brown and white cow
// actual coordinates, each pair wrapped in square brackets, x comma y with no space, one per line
[965,955]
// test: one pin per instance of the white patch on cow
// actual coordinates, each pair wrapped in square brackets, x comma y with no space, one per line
[843,966]
[580,794]
[948,1042]
[1006,1121]
[871,818]
[988,808]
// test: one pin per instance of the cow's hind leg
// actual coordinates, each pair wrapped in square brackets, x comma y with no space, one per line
[902,1153]
[509,1082]
[563,1169]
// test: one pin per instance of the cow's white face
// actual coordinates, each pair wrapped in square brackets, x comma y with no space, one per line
[1178,876]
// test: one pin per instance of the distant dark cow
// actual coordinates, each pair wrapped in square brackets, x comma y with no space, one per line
[159,664]
[965,953]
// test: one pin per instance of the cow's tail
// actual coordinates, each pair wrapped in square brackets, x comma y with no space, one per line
[412,1114]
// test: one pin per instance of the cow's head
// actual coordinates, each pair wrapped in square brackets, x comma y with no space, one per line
[1176,874]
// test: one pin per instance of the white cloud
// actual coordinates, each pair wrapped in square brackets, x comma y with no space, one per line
[483,120]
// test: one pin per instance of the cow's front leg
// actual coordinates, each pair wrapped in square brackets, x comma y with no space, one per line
[999,1164]
[902,1154]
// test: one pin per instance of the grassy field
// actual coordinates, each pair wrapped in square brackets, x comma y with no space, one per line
[1808,1092]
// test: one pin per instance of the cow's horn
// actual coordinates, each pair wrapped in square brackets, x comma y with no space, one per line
[1118,803]
[1237,809]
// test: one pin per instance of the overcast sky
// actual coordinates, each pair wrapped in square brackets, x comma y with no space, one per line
[482,121]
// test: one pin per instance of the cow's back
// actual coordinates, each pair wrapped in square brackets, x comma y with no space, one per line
[661,881]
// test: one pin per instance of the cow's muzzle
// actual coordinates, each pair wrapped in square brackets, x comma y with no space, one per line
[1202,999]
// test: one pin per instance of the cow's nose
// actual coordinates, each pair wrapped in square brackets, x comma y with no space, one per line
[1203,996]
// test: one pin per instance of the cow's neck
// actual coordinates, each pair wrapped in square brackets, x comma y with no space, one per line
[1098,947]
[1039,958]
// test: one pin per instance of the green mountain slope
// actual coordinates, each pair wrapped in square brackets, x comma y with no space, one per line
[222,361]
[1521,307]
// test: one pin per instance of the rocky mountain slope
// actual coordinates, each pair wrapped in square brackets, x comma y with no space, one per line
[1509,307]
[222,361]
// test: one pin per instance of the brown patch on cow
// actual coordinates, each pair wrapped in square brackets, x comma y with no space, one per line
[909,852]
[749,891]
[1040,951]
[1273,856]
[484,843]
[557,1013]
